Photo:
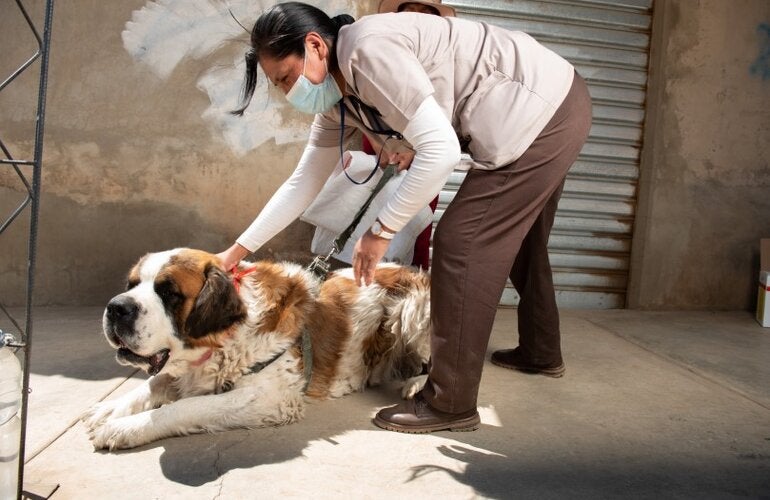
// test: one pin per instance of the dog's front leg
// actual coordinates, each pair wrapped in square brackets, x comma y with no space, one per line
[152,393]
[246,407]
[413,385]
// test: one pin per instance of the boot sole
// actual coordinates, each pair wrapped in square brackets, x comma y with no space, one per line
[557,372]
[464,425]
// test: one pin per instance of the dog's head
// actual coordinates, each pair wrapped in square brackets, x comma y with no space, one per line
[174,300]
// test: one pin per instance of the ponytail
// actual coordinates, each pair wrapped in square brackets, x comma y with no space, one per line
[341,20]
[280,31]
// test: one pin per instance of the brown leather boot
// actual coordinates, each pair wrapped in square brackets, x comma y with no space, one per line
[513,360]
[415,416]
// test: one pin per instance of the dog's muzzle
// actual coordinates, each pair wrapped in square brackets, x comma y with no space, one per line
[122,312]
[120,318]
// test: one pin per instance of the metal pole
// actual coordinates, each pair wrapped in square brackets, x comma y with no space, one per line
[35,210]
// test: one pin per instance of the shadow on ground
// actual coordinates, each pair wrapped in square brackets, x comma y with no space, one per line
[483,461]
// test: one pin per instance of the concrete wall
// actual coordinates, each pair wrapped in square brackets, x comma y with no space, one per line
[704,191]
[141,155]
[140,151]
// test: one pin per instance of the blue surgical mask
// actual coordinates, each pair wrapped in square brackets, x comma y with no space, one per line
[313,98]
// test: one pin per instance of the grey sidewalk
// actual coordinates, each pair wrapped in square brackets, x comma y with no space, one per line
[670,405]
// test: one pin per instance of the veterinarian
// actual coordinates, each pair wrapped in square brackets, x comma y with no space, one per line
[443,84]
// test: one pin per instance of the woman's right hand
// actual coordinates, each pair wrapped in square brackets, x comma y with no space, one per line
[232,256]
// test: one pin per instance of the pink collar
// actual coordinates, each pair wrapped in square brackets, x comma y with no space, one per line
[205,357]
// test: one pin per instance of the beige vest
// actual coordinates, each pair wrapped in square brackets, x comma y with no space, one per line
[498,88]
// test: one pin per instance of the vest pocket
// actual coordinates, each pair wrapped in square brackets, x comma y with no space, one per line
[502,118]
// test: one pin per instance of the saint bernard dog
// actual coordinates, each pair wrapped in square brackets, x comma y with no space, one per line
[228,351]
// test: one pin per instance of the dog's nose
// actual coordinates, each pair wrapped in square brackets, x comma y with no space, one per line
[122,308]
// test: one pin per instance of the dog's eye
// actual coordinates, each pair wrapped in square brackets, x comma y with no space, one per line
[168,292]
[131,284]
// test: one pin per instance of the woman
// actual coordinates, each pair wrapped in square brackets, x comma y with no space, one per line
[519,109]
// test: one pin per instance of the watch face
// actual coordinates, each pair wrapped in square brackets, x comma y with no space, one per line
[376,228]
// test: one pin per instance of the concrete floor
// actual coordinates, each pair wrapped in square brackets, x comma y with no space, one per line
[668,405]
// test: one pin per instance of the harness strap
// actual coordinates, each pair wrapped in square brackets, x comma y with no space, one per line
[261,365]
[307,361]
[307,356]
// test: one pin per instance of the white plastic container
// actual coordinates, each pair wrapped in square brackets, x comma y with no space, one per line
[10,434]
[10,424]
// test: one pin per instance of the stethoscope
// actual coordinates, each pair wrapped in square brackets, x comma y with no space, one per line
[374,118]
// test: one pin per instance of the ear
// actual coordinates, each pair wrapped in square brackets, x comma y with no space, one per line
[315,43]
[217,306]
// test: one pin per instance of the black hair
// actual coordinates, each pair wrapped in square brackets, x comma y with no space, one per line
[280,31]
[432,9]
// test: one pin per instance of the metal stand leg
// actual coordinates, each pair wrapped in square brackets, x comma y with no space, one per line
[32,201]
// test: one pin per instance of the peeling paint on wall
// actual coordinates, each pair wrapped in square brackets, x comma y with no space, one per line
[164,33]
[761,66]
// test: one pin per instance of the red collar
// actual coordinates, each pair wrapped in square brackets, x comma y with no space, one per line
[238,276]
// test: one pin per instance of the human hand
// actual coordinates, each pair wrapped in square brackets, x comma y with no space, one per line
[367,253]
[402,159]
[232,256]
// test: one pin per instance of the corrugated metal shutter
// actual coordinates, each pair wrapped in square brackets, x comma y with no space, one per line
[608,42]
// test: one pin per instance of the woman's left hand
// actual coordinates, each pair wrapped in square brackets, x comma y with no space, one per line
[402,160]
[367,253]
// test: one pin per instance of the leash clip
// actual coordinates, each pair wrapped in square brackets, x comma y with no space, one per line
[320,265]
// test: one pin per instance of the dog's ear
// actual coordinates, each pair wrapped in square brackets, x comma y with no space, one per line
[217,306]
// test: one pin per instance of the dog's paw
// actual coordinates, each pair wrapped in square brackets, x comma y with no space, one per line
[122,433]
[113,408]
[413,385]
[98,414]
[103,411]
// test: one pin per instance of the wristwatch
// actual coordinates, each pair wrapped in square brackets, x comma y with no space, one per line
[378,230]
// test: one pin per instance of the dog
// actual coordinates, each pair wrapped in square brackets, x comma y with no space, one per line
[228,351]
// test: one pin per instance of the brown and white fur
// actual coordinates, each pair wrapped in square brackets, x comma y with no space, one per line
[199,334]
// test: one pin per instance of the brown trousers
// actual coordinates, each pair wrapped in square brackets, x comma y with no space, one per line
[498,226]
